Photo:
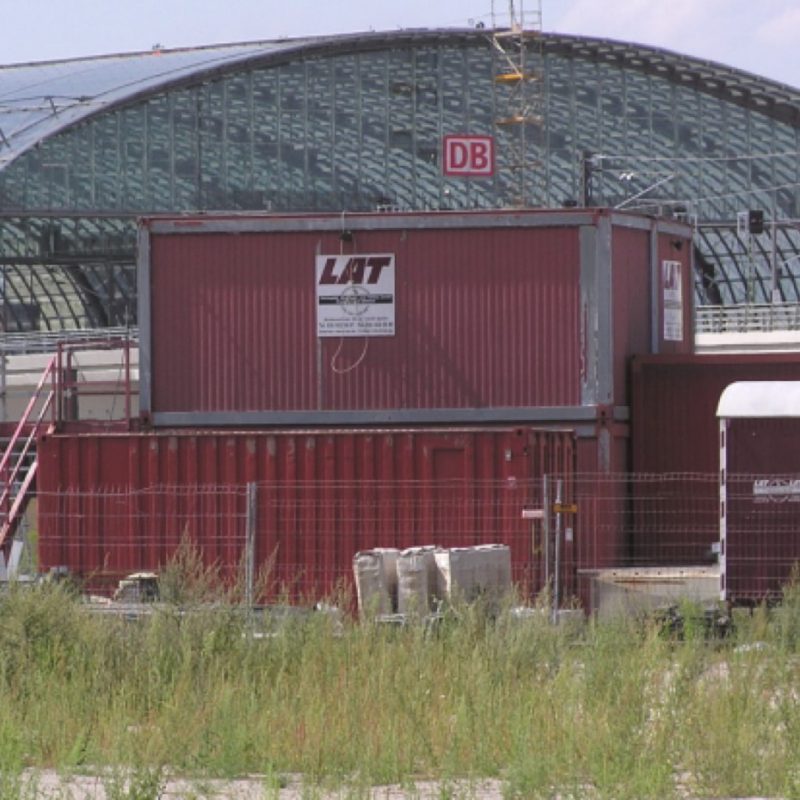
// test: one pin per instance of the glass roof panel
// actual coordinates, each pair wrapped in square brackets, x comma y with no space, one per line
[357,122]
[38,100]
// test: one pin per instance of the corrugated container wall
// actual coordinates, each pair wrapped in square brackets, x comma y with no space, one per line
[114,504]
[675,430]
[674,422]
[494,317]
[247,312]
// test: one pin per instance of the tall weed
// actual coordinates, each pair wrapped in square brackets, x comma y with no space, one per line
[612,709]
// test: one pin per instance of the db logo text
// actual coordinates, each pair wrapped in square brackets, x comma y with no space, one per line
[468,156]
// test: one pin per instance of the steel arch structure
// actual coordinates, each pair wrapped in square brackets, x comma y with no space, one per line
[354,123]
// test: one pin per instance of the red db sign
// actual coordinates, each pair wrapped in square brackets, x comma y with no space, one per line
[470,156]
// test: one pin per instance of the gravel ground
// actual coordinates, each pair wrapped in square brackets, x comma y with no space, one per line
[51,786]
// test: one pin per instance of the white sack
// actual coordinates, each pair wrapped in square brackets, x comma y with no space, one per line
[416,580]
[376,580]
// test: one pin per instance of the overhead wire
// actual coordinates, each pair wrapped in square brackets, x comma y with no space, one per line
[694,159]
[724,196]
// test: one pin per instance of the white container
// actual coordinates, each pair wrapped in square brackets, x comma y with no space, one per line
[416,580]
[376,581]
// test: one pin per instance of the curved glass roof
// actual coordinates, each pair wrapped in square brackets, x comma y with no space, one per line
[356,122]
[39,100]
[774,99]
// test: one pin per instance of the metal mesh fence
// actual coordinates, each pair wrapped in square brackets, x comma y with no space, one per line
[563,531]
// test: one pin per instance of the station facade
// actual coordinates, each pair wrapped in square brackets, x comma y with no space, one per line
[359,123]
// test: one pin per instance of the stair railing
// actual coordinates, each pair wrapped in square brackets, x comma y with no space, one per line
[53,402]
[15,478]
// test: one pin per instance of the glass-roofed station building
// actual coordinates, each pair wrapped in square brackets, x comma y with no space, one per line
[356,123]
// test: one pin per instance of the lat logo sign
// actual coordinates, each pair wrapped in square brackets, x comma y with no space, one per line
[468,156]
[355,295]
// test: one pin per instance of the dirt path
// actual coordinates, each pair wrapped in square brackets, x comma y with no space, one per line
[48,785]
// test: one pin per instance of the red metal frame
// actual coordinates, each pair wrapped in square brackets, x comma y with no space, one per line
[69,388]
[12,502]
[16,479]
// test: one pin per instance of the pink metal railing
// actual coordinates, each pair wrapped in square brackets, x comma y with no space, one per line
[15,479]
[58,386]
[69,385]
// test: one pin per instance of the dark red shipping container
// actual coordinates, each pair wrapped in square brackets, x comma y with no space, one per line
[762,508]
[497,317]
[674,412]
[116,503]
[674,429]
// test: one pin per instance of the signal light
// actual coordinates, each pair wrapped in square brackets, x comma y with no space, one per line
[755,221]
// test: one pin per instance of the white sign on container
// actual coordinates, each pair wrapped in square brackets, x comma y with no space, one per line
[355,295]
[673,300]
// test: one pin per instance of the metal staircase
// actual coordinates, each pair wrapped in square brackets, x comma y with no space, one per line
[18,465]
[53,403]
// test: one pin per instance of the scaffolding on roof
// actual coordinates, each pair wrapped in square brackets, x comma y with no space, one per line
[519,97]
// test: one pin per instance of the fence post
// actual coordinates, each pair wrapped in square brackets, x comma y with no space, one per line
[557,565]
[250,545]
[127,356]
[546,528]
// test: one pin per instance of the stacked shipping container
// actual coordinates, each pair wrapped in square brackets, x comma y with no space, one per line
[494,316]
[322,496]
[477,319]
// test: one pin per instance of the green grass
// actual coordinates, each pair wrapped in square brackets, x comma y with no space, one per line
[616,710]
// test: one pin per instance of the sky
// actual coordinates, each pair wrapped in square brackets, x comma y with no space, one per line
[760,36]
